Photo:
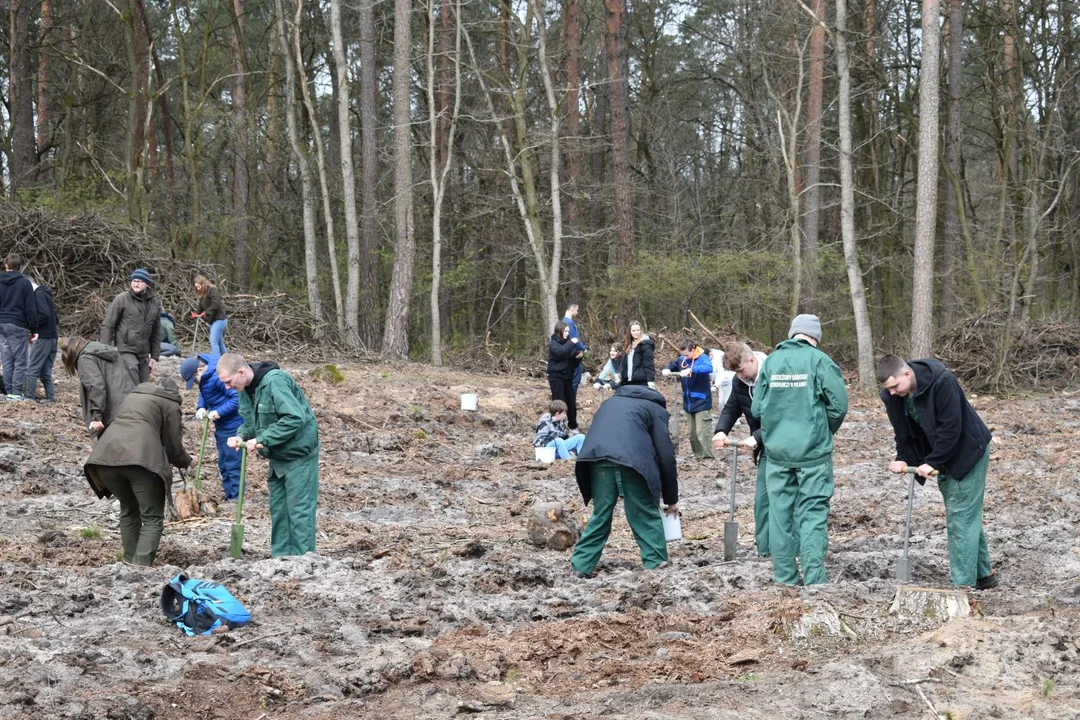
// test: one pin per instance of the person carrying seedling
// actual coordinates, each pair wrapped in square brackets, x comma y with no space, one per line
[801,401]
[220,404]
[551,432]
[279,425]
[938,432]
[693,366]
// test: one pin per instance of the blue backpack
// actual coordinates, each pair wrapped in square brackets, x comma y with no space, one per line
[199,606]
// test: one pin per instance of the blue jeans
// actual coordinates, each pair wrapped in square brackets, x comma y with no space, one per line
[15,347]
[169,350]
[217,336]
[563,447]
[42,358]
[228,460]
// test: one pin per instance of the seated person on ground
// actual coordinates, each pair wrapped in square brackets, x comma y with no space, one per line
[551,432]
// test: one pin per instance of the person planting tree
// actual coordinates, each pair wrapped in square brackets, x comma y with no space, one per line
[280,426]
[938,433]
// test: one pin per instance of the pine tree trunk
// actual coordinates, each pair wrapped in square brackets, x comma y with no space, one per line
[21,96]
[615,43]
[574,245]
[954,138]
[369,151]
[922,307]
[396,330]
[241,178]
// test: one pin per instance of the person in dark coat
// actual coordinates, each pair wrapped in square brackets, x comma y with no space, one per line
[563,358]
[18,319]
[132,461]
[638,357]
[133,325]
[43,351]
[220,404]
[568,318]
[938,432]
[104,380]
[627,452]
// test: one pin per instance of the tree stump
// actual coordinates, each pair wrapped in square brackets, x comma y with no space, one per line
[189,504]
[819,621]
[552,526]
[920,605]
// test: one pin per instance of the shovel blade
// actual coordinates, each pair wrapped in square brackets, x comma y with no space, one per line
[236,540]
[903,570]
[731,539]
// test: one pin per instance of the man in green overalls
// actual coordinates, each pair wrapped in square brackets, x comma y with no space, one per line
[279,425]
[937,431]
[801,401]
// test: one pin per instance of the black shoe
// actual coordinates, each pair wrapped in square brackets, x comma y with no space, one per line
[988,582]
[578,574]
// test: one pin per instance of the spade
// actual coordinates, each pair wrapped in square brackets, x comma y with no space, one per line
[202,452]
[236,532]
[903,566]
[731,528]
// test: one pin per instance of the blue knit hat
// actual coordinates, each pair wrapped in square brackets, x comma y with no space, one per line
[141,274]
[188,368]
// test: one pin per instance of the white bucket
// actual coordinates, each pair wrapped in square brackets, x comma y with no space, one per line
[545,454]
[469,401]
[672,526]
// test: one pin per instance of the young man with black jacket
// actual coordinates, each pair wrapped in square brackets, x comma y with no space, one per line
[937,431]
[18,320]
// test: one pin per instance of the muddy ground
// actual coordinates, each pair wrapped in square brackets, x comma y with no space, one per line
[426,600]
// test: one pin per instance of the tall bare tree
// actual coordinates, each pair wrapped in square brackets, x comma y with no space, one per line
[922,306]
[241,173]
[303,162]
[811,203]
[615,47]
[352,230]
[954,141]
[847,206]
[396,330]
[440,157]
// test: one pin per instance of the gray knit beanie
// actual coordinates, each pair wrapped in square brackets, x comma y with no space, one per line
[808,325]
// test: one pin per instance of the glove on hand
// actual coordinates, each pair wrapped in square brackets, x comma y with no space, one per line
[597,386]
[652,384]
[214,415]
[665,372]
[200,414]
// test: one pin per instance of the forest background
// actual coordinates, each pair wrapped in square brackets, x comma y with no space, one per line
[430,178]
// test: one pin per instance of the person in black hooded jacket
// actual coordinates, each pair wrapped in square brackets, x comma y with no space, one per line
[43,351]
[938,432]
[18,319]
[627,452]
[563,358]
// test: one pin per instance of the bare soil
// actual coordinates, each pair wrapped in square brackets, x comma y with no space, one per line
[427,601]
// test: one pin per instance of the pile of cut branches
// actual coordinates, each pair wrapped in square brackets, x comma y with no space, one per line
[1039,354]
[87,260]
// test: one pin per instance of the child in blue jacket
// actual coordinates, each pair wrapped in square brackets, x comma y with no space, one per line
[694,367]
[220,404]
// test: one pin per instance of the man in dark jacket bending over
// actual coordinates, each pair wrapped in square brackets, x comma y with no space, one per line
[627,452]
[938,431]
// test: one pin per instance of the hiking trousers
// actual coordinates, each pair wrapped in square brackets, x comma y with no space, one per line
[969,558]
[14,356]
[142,509]
[42,359]
[609,481]
[294,497]
[799,520]
[139,365]
[700,425]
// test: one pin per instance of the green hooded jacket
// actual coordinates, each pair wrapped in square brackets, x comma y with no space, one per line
[276,413]
[801,401]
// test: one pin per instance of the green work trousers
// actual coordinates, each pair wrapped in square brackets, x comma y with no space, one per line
[609,481]
[761,514]
[294,497]
[142,509]
[700,426]
[799,520]
[969,559]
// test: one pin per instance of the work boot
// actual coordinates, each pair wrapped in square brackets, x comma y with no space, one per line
[988,582]
[578,574]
